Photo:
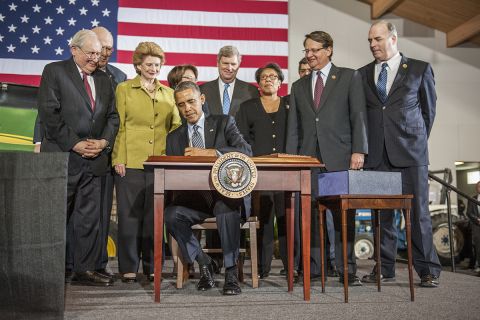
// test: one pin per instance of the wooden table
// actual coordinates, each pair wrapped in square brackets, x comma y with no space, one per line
[342,203]
[289,174]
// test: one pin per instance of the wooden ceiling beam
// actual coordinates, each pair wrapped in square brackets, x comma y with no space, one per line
[380,7]
[464,32]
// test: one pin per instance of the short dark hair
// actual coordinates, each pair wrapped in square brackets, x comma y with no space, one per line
[321,37]
[271,65]
[185,85]
[302,61]
[175,75]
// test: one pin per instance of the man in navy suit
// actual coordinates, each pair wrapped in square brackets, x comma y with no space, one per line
[204,135]
[401,103]
[76,107]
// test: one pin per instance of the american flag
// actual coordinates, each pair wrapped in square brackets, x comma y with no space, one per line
[34,33]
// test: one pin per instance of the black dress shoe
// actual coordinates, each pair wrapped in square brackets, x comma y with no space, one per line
[206,276]
[353,280]
[106,273]
[372,278]
[231,287]
[429,281]
[91,278]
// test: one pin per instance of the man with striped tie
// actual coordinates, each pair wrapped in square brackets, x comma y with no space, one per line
[401,103]
[206,135]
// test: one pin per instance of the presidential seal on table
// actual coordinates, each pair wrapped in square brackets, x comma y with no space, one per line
[234,175]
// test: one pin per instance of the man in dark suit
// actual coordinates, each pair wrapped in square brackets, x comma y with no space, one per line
[401,102]
[116,76]
[206,136]
[327,120]
[77,109]
[473,214]
[224,96]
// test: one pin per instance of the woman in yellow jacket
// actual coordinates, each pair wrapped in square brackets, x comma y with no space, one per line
[147,114]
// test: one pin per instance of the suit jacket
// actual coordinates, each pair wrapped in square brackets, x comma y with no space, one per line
[116,76]
[338,128]
[403,123]
[472,211]
[67,117]
[221,133]
[242,91]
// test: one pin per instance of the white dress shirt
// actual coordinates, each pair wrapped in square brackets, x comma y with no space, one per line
[221,88]
[201,129]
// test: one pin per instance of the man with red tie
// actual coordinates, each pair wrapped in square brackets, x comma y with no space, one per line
[77,109]
[327,120]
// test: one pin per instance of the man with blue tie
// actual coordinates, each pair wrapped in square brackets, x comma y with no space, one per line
[401,103]
[206,135]
[224,96]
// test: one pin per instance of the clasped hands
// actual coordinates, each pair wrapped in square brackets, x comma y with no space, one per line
[356,161]
[90,148]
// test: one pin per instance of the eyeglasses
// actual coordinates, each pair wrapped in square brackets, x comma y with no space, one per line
[313,51]
[91,55]
[272,77]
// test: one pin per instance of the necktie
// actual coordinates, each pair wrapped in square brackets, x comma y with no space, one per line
[317,95]
[382,83]
[226,99]
[89,90]
[197,140]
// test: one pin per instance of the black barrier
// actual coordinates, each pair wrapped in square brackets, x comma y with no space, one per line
[33,193]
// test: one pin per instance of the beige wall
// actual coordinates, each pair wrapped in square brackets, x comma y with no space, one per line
[456,131]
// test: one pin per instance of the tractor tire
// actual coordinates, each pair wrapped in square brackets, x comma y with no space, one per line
[441,238]
[364,248]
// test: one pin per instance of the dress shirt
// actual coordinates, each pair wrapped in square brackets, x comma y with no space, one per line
[221,88]
[392,69]
[325,71]
[90,82]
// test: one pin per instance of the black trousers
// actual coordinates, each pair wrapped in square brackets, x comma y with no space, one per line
[107,201]
[267,206]
[425,259]
[83,221]
[135,220]
[182,215]
[476,241]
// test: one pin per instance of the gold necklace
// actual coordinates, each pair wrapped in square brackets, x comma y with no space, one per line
[149,90]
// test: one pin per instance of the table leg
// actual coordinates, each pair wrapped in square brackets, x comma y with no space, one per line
[321,212]
[409,252]
[158,242]
[289,206]
[306,220]
[344,252]
[376,214]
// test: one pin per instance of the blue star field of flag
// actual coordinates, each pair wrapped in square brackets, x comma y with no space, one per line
[41,30]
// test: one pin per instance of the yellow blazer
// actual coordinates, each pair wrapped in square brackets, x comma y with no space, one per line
[144,122]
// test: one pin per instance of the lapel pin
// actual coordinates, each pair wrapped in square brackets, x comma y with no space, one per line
[287,106]
[334,77]
[404,66]
[211,130]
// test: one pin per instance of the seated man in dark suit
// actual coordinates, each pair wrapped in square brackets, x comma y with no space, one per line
[203,135]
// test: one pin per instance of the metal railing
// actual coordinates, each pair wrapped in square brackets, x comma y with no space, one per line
[448,188]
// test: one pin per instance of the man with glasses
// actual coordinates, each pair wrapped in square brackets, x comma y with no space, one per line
[327,120]
[206,135]
[77,109]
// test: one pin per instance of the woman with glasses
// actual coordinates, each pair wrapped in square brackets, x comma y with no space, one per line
[184,72]
[147,114]
[262,122]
